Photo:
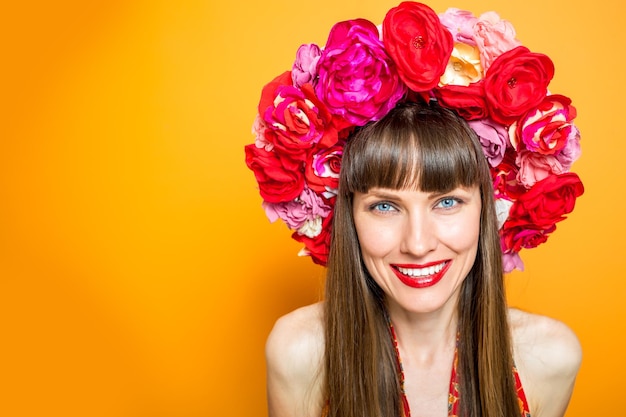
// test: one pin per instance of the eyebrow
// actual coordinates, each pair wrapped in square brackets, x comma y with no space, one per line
[386,194]
[383,194]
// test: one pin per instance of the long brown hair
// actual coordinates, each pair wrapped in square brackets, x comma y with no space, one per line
[426,147]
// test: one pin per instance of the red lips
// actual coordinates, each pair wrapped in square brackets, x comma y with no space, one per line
[421,281]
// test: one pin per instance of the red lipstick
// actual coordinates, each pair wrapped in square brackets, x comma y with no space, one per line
[424,281]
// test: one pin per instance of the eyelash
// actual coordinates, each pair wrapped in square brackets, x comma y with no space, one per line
[376,207]
[455,200]
[389,207]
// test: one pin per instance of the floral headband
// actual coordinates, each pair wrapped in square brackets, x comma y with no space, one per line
[473,65]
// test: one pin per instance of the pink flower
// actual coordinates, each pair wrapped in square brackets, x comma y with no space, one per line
[258,130]
[307,207]
[494,36]
[511,261]
[357,79]
[546,128]
[460,23]
[571,151]
[493,138]
[534,167]
[305,67]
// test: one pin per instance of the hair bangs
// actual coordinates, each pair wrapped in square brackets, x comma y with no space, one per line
[422,149]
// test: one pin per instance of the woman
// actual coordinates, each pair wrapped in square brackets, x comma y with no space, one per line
[415,263]
[454,157]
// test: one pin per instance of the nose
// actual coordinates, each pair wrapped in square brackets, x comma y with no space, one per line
[419,235]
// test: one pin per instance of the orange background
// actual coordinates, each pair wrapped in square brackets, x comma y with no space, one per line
[138,274]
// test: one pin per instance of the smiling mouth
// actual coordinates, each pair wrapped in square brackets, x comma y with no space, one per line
[422,272]
[422,277]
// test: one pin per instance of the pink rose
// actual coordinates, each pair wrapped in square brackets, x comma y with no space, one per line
[295,119]
[494,36]
[418,43]
[304,68]
[516,82]
[511,261]
[322,170]
[258,130]
[460,23]
[571,151]
[308,206]
[534,167]
[357,79]
[546,128]
[493,138]
[280,178]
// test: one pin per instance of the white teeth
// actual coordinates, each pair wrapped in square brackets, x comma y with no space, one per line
[421,272]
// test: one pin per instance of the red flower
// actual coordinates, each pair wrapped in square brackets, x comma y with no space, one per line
[547,202]
[280,178]
[547,128]
[468,101]
[322,170]
[317,247]
[516,82]
[296,119]
[418,43]
[516,238]
[505,183]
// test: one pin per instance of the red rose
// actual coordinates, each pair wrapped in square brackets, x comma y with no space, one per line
[296,119]
[505,183]
[322,170]
[516,82]
[280,178]
[515,238]
[468,101]
[317,247]
[418,43]
[547,202]
[547,128]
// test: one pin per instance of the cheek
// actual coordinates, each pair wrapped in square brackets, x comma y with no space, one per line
[462,235]
[375,241]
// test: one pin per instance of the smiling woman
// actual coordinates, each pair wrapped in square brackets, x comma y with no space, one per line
[415,318]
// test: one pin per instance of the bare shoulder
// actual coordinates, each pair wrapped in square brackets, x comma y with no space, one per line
[294,352]
[548,356]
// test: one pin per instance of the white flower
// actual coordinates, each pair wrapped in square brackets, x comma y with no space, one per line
[502,210]
[311,228]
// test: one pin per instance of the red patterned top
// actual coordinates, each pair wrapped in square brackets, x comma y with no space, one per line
[453,396]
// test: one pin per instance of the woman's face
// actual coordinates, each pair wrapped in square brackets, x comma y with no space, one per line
[418,246]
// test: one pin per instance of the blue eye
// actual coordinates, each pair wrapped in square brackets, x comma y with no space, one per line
[382,206]
[448,202]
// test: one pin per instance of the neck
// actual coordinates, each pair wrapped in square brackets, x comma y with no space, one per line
[425,335]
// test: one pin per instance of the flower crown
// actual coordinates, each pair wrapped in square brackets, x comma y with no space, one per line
[473,65]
